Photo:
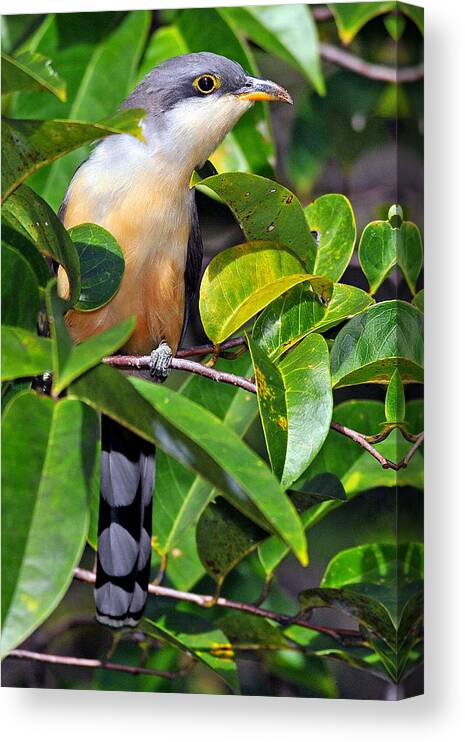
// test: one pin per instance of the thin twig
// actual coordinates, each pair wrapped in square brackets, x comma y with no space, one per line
[206,601]
[321,13]
[55,659]
[143,362]
[343,58]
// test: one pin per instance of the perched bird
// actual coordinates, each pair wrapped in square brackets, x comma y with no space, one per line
[140,192]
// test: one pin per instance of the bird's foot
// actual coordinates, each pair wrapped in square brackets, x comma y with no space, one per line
[160,360]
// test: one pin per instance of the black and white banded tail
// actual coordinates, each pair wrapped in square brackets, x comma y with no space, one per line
[125,525]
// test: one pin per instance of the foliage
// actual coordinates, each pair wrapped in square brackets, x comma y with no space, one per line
[242,480]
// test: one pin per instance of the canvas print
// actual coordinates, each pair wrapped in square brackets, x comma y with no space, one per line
[212,350]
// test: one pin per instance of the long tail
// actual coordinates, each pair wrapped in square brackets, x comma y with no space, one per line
[125,525]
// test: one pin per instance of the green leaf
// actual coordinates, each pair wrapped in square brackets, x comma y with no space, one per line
[164,43]
[101,264]
[391,573]
[20,290]
[295,402]
[395,25]
[288,32]
[333,218]
[85,53]
[50,446]
[382,247]
[371,346]
[30,71]
[24,353]
[71,361]
[266,210]
[180,495]
[418,301]
[30,217]
[365,610]
[225,537]
[250,145]
[240,281]
[394,404]
[184,567]
[297,312]
[322,488]
[197,439]
[197,637]
[28,145]
[351,17]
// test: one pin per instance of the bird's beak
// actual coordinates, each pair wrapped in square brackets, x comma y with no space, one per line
[256,89]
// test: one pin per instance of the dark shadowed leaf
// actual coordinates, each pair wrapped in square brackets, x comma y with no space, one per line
[48,464]
[197,637]
[28,214]
[266,210]
[295,402]
[371,346]
[288,32]
[225,537]
[245,630]
[333,218]
[30,71]
[20,290]
[28,145]
[240,281]
[101,262]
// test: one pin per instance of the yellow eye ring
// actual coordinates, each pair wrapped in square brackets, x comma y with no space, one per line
[206,84]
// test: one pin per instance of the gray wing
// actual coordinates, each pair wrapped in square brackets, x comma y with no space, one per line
[193,267]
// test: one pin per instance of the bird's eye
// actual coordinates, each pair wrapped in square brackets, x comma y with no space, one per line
[206,84]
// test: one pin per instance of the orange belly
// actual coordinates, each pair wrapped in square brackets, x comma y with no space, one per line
[152,289]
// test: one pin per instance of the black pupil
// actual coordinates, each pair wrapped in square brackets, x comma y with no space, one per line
[206,84]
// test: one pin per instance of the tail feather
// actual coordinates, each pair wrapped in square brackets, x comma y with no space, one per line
[124,531]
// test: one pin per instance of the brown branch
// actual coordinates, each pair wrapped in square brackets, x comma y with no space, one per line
[207,601]
[54,659]
[343,58]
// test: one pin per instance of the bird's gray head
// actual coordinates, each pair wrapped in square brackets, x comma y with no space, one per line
[194,100]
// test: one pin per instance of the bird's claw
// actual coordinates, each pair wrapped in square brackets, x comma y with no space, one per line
[160,360]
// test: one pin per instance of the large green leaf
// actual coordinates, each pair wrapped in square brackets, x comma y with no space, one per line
[24,353]
[266,210]
[48,464]
[101,264]
[391,573]
[250,145]
[351,17]
[288,32]
[20,290]
[84,53]
[196,636]
[200,441]
[394,404]
[26,216]
[382,247]
[295,401]
[29,144]
[225,537]
[333,218]
[30,71]
[180,495]
[71,361]
[240,281]
[297,312]
[371,346]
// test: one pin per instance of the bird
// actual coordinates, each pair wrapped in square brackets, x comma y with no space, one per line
[140,192]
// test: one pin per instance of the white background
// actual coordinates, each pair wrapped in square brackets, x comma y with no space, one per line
[78,715]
